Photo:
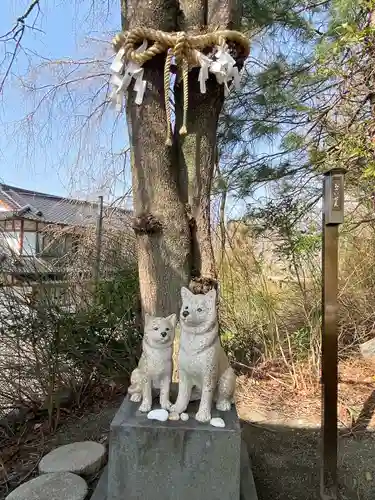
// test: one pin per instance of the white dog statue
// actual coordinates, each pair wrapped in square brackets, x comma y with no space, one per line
[154,369]
[203,363]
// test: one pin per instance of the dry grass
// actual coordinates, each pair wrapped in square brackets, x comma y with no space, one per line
[277,322]
[268,396]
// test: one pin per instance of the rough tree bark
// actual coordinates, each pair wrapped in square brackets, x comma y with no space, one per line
[197,152]
[163,235]
[174,241]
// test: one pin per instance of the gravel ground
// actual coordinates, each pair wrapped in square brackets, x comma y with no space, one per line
[285,459]
[286,463]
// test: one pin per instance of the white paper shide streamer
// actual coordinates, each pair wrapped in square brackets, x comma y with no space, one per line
[225,69]
[205,63]
[123,75]
[222,65]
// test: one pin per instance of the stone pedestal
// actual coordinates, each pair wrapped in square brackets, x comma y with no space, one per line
[174,460]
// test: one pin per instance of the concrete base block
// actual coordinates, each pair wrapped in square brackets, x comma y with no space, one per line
[247,484]
[175,460]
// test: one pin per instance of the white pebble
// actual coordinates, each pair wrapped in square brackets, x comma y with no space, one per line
[217,422]
[161,415]
[184,417]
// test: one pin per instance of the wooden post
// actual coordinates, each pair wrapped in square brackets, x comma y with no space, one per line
[99,231]
[333,215]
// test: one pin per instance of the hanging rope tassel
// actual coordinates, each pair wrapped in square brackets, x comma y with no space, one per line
[180,50]
[185,83]
[167,83]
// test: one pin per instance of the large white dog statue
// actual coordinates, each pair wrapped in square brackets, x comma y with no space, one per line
[154,369]
[203,364]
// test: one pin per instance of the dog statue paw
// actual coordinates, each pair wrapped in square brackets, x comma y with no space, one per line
[145,407]
[136,397]
[203,416]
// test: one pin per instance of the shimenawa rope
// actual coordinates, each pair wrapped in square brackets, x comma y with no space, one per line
[184,47]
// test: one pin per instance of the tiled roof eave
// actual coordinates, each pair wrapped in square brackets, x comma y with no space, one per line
[15,215]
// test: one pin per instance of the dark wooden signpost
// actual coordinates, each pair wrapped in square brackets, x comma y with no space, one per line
[99,236]
[333,216]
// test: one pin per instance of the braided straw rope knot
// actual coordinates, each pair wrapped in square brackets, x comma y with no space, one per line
[188,52]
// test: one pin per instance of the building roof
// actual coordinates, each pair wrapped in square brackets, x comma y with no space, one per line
[51,209]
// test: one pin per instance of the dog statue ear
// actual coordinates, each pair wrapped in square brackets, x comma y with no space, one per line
[147,318]
[172,319]
[185,293]
[211,294]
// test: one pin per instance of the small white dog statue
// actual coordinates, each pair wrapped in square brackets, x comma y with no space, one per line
[203,363]
[154,370]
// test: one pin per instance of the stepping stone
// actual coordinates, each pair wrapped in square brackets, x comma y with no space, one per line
[83,458]
[58,486]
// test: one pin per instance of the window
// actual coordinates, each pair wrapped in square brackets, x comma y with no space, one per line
[68,243]
[52,246]
[29,246]
[12,242]
[29,225]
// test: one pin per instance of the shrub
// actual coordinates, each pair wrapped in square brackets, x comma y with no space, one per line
[47,346]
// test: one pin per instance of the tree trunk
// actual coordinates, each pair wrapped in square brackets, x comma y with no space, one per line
[198,148]
[162,229]
[173,243]
[197,156]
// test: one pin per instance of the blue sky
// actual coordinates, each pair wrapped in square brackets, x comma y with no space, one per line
[36,149]
[41,142]
[45,143]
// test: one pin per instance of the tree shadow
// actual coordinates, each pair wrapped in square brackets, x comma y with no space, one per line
[286,462]
[366,414]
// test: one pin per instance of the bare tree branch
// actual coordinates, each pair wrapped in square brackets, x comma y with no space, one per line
[15,35]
